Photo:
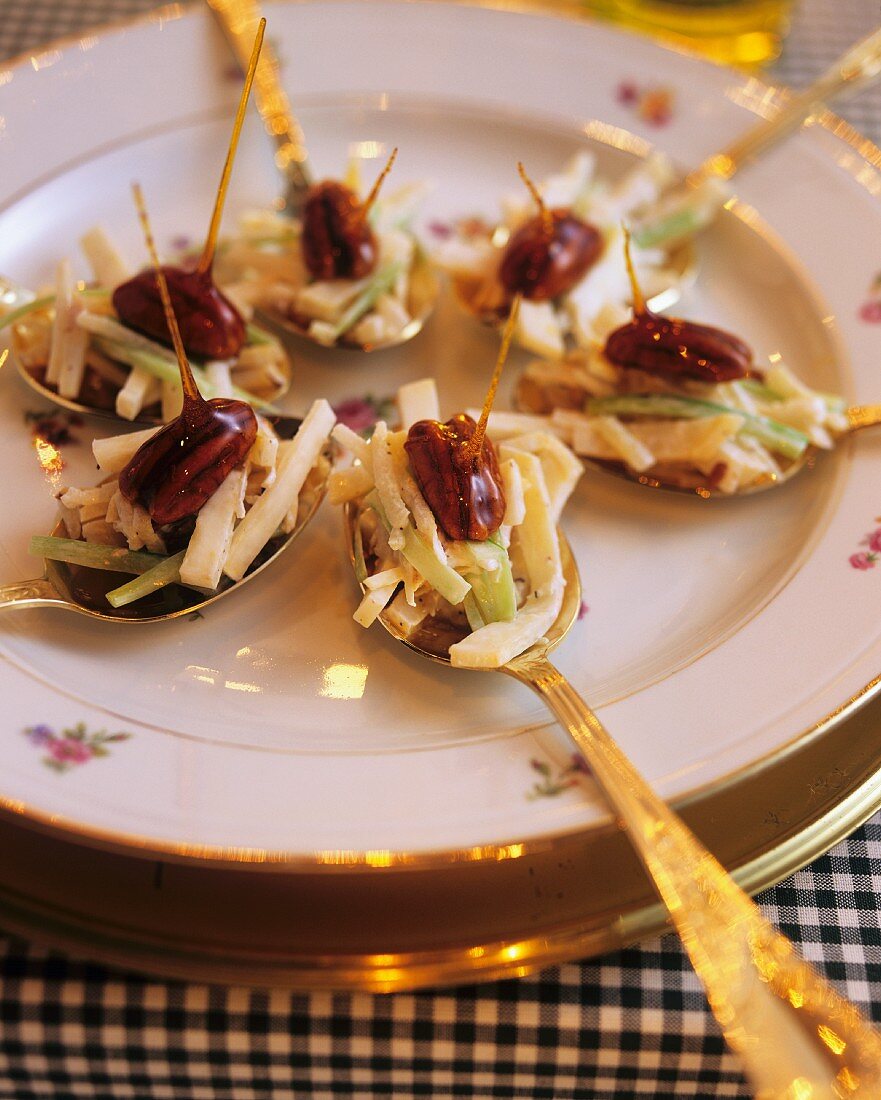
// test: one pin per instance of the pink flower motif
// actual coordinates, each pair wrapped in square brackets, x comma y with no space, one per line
[582,610]
[356,413]
[862,561]
[440,230]
[875,541]
[870,311]
[68,751]
[627,93]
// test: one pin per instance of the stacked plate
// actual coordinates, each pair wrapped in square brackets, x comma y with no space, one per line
[270,793]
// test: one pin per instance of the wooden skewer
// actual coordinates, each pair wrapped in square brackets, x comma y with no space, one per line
[374,191]
[207,257]
[547,218]
[507,337]
[191,390]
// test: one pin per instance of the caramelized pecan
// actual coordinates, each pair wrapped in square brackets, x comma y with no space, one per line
[670,346]
[210,325]
[177,470]
[548,255]
[464,490]
[337,240]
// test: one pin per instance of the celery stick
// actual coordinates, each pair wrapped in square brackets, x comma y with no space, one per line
[93,555]
[358,549]
[780,438]
[255,336]
[16,315]
[680,223]
[442,578]
[165,573]
[493,590]
[167,371]
[472,612]
[381,282]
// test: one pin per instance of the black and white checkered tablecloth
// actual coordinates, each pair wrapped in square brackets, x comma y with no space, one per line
[633,1024]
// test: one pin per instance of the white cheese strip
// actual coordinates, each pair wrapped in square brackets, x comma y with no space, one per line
[209,544]
[140,390]
[64,318]
[267,514]
[418,401]
[107,265]
[115,452]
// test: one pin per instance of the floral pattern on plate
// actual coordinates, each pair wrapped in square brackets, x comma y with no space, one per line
[73,746]
[867,559]
[651,104]
[553,781]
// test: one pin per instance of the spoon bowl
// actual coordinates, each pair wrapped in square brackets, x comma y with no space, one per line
[691,483]
[424,289]
[79,589]
[104,405]
[774,1010]
[238,20]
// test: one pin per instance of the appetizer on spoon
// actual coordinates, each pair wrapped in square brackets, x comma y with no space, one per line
[432,509]
[467,529]
[106,348]
[673,404]
[190,509]
[560,250]
[328,266]
[666,209]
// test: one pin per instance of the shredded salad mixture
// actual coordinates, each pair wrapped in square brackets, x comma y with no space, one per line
[257,502]
[264,267]
[71,339]
[502,594]
[473,254]
[728,436]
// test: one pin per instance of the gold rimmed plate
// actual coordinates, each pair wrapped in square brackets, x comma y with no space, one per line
[273,732]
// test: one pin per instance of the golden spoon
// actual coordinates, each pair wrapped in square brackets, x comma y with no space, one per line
[79,589]
[796,1036]
[238,19]
[84,589]
[13,297]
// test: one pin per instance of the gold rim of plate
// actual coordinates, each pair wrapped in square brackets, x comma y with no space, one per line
[417,928]
[856,785]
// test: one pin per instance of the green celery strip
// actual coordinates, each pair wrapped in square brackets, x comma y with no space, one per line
[493,591]
[442,578]
[360,563]
[833,401]
[167,371]
[777,437]
[378,285]
[255,335]
[680,223]
[93,555]
[472,612]
[16,315]
[166,572]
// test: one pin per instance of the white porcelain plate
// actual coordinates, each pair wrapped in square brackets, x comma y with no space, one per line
[715,634]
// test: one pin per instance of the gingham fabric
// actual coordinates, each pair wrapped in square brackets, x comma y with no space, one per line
[634,1024]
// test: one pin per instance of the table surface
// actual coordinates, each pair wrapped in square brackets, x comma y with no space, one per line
[632,1024]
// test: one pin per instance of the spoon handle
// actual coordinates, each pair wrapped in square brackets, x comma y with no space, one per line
[856,68]
[35,593]
[863,416]
[795,1035]
[239,20]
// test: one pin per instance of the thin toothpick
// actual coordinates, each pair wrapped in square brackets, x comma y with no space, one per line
[507,337]
[191,390]
[639,305]
[207,257]
[547,218]
[374,191]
